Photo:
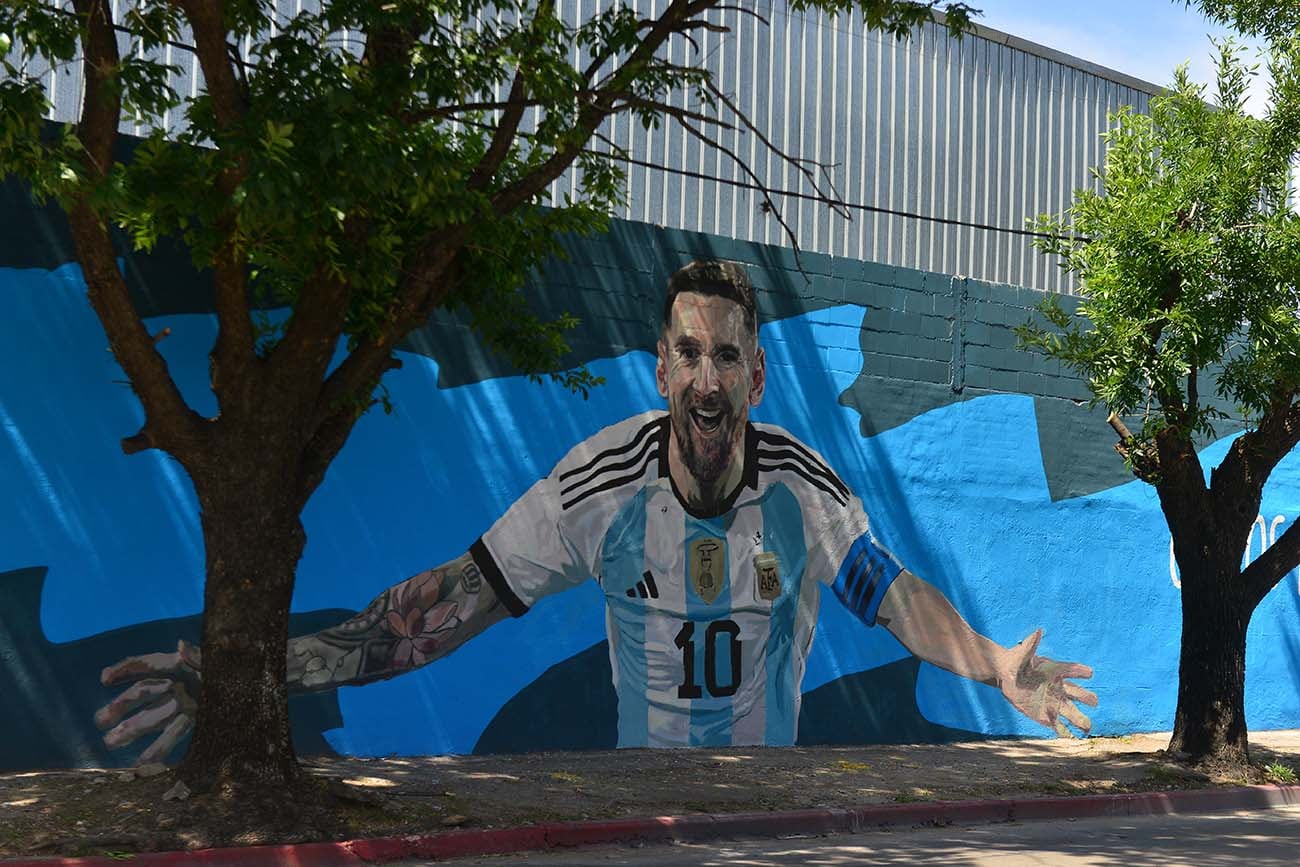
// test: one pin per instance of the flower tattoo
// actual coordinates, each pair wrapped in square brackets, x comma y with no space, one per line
[420,632]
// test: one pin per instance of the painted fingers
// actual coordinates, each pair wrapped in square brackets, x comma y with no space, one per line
[159,699]
[1063,698]
[1043,688]
[185,659]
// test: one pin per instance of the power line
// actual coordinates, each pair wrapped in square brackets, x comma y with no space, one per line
[813,197]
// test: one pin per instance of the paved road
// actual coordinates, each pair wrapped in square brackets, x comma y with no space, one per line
[1248,839]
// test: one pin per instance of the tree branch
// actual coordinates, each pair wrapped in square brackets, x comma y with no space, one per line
[319,317]
[1143,460]
[504,136]
[723,7]
[426,284]
[630,101]
[1270,567]
[205,19]
[511,117]
[169,423]
[452,111]
[349,390]
[304,352]
[770,205]
[233,352]
[1237,483]
[333,431]
[801,164]
[595,111]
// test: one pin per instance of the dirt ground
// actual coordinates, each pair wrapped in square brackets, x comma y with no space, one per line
[94,812]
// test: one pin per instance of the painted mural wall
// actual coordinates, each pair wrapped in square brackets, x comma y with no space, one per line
[833,520]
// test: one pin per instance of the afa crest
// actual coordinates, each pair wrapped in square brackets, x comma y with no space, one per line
[767,575]
[708,567]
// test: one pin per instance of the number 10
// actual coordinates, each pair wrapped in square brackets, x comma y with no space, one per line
[684,641]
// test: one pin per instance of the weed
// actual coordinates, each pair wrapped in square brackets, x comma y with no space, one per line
[1280,773]
[914,796]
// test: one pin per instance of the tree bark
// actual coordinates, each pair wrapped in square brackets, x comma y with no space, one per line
[254,539]
[1210,719]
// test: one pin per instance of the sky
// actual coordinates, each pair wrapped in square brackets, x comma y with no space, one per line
[1144,38]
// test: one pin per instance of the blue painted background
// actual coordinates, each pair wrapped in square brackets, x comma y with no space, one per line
[959,492]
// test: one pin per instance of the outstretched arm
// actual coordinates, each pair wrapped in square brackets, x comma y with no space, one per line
[417,621]
[412,623]
[925,622]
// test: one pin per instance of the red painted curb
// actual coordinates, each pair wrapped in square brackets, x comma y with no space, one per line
[665,829]
[301,854]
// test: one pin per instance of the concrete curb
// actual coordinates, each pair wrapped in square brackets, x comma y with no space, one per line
[696,828]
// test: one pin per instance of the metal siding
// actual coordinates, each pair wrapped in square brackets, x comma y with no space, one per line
[974,130]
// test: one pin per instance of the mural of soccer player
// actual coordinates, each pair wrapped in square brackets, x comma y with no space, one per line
[711,538]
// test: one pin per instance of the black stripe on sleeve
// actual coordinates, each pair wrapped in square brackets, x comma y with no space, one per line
[866,587]
[872,580]
[768,452]
[487,564]
[604,469]
[800,470]
[814,464]
[611,484]
[851,581]
[616,450]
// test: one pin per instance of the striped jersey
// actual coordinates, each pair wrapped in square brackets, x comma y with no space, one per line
[709,617]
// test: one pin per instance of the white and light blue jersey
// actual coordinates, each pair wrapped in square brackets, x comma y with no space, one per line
[709,617]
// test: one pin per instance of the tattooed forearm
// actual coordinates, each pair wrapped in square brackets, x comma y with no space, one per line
[415,622]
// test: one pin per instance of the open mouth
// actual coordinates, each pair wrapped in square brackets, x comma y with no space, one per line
[707,420]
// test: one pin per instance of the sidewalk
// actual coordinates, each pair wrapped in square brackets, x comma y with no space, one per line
[458,805]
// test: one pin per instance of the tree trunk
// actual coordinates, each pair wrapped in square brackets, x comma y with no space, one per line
[254,540]
[1210,720]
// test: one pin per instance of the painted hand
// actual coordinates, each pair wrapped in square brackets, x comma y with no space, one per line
[1039,687]
[162,697]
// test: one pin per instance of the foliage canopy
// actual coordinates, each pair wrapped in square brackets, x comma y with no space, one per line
[1189,260]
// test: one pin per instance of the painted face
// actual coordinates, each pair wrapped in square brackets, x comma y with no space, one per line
[711,370]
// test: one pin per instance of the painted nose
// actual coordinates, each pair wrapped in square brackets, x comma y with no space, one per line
[706,380]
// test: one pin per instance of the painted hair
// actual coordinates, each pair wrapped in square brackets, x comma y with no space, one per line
[719,277]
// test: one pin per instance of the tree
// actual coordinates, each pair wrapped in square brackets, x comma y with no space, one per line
[1189,264]
[1269,18]
[359,190]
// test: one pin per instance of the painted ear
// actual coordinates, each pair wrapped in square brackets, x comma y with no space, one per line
[661,368]
[758,379]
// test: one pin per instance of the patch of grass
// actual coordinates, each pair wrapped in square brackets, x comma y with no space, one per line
[845,765]
[1166,774]
[1280,773]
[566,777]
[913,797]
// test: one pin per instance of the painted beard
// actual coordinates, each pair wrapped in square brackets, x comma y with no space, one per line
[706,433]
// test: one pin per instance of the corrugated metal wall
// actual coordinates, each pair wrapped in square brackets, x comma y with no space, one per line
[927,139]
[973,131]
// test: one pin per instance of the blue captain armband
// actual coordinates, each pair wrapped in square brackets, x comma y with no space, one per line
[864,576]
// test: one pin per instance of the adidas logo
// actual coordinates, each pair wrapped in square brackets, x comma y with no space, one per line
[645,589]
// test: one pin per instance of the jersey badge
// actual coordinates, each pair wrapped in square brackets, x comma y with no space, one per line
[767,575]
[708,567]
